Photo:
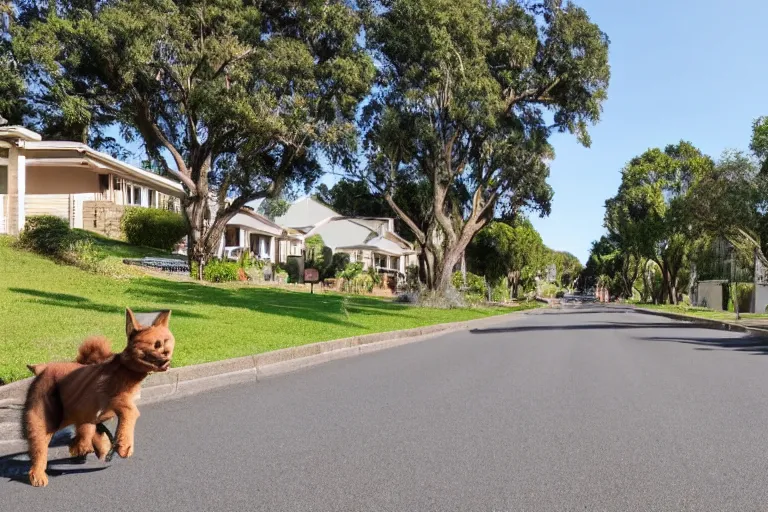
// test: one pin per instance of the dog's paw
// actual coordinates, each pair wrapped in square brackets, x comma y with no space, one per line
[80,449]
[125,451]
[38,478]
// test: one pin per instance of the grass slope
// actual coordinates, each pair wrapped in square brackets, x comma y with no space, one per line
[46,309]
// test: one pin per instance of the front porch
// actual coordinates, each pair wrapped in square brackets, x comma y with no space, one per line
[58,178]
[251,232]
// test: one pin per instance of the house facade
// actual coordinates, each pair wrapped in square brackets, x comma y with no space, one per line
[369,240]
[91,190]
[70,180]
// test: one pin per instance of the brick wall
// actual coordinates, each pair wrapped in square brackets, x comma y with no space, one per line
[103,217]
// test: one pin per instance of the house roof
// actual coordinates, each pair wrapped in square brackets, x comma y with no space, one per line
[67,154]
[381,245]
[305,212]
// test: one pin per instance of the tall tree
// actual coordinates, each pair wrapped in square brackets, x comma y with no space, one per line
[13,104]
[513,251]
[759,144]
[651,212]
[467,102]
[731,203]
[234,99]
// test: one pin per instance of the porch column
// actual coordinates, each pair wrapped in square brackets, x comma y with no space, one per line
[17,189]
[272,249]
[241,241]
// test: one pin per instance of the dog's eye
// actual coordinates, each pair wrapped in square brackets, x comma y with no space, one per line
[158,344]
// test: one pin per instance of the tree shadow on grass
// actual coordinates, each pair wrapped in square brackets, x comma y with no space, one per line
[66,300]
[328,308]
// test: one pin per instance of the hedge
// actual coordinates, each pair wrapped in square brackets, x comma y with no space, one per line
[152,227]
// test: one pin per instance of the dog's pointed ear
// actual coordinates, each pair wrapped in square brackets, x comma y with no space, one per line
[162,319]
[131,325]
[37,369]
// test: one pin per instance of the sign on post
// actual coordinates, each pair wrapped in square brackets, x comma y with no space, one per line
[311,275]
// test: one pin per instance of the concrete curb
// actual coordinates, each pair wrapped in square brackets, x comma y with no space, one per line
[707,322]
[189,380]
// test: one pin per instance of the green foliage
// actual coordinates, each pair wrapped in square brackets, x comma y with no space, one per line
[339,261]
[351,271]
[651,216]
[219,271]
[475,284]
[467,102]
[318,256]
[233,98]
[152,227]
[274,207]
[514,251]
[46,234]
[759,144]
[412,280]
[292,267]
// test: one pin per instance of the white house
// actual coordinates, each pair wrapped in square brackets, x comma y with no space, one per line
[72,181]
[370,240]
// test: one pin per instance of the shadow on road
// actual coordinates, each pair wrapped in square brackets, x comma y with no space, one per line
[15,467]
[590,327]
[756,345]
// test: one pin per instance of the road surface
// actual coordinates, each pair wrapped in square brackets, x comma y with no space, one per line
[581,409]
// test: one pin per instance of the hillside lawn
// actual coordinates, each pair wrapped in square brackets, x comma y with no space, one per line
[46,309]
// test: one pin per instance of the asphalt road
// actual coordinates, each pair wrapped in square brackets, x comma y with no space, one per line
[582,409]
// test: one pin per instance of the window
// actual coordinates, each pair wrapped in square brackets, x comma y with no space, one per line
[232,236]
[136,195]
[152,198]
[395,260]
[380,261]
[3,179]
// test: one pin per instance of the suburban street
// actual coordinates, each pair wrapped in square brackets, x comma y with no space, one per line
[585,408]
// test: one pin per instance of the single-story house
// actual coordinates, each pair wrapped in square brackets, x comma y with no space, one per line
[91,189]
[370,240]
[264,239]
[73,181]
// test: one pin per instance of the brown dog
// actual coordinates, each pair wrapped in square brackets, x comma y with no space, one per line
[99,386]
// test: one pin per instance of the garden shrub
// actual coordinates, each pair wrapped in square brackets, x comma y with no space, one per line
[152,227]
[475,283]
[292,268]
[218,271]
[339,261]
[46,234]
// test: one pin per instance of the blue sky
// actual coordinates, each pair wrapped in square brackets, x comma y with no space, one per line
[681,69]
[694,70]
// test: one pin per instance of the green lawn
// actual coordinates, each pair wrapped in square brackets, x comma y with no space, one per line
[704,312]
[47,309]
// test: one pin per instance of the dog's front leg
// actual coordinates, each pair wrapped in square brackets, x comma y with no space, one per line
[127,414]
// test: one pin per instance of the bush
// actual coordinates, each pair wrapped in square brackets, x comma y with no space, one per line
[339,261]
[46,234]
[412,280]
[475,283]
[152,227]
[560,294]
[218,271]
[292,268]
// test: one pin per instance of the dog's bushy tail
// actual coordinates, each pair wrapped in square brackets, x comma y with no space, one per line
[94,350]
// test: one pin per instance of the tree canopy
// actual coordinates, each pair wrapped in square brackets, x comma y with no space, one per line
[234,99]
[467,103]
[500,250]
[651,214]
